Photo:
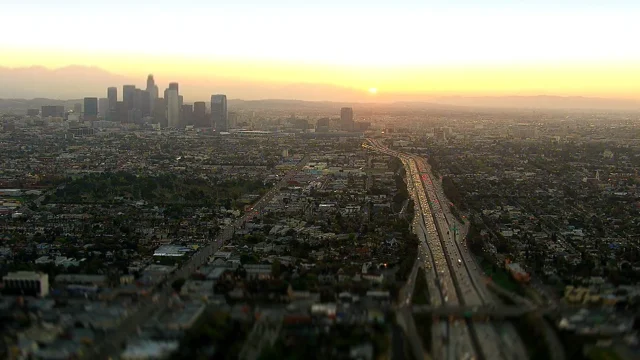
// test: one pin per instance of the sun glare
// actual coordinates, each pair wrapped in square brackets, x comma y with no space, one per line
[373,91]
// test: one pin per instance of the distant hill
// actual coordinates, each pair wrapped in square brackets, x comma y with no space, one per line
[75,82]
[20,106]
[63,83]
[541,102]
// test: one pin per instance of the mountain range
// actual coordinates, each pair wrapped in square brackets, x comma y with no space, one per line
[75,82]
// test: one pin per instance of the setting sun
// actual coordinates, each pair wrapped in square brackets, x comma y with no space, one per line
[373,91]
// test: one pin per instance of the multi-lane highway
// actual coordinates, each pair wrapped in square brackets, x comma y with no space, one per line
[467,276]
[458,279]
[455,335]
[112,346]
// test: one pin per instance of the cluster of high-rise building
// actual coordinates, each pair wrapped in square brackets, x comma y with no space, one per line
[139,106]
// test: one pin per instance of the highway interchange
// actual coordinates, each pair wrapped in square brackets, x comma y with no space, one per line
[452,271]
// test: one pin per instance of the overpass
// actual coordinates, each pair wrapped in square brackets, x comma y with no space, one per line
[504,311]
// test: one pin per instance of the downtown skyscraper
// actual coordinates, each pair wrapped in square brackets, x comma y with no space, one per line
[200,114]
[112,113]
[152,89]
[128,96]
[219,115]
[346,119]
[90,108]
[112,95]
[173,108]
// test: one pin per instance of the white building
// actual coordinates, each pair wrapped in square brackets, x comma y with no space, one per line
[173,108]
[103,107]
[148,349]
[27,283]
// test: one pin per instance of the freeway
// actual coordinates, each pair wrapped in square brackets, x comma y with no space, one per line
[471,291]
[466,276]
[456,336]
[112,345]
[475,311]
[454,275]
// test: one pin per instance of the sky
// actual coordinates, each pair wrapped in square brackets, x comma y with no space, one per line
[401,47]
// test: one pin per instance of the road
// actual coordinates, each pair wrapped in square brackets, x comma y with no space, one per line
[503,311]
[455,270]
[112,345]
[456,337]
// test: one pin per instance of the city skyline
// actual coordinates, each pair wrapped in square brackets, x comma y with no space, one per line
[406,51]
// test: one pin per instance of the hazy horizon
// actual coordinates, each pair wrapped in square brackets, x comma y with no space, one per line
[330,50]
[20,83]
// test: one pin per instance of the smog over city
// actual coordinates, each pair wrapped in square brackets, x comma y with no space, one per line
[320,180]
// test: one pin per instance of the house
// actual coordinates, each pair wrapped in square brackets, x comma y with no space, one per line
[375,278]
[258,271]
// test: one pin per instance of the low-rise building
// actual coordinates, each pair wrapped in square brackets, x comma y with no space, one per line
[26,283]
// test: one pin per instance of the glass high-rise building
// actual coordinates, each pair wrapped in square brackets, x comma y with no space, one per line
[219,115]
[200,114]
[128,96]
[90,108]
[152,89]
[346,119]
[187,114]
[173,108]
[112,95]
[103,107]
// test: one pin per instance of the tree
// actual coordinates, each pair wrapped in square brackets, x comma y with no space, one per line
[276,269]
[177,284]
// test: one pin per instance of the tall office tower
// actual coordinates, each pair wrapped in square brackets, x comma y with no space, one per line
[187,114]
[141,102]
[173,108]
[103,107]
[346,119]
[137,99]
[77,108]
[150,82]
[219,119]
[112,95]
[200,114]
[145,103]
[128,96]
[152,89]
[134,116]
[120,113]
[160,112]
[174,86]
[52,111]
[90,108]
[180,102]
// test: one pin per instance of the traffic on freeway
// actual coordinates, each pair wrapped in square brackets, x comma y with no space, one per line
[455,335]
[456,274]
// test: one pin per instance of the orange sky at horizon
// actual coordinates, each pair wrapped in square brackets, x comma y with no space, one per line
[410,82]
[404,49]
